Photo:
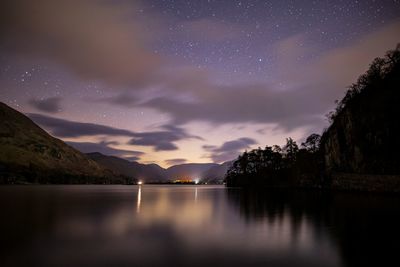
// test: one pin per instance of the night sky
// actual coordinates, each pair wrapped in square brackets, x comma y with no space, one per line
[186,81]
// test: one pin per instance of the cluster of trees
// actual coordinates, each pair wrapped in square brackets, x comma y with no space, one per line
[275,165]
[379,69]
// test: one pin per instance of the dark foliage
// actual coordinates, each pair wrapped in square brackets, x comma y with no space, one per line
[278,167]
[378,77]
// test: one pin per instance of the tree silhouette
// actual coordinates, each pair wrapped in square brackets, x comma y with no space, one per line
[378,70]
[312,143]
[290,150]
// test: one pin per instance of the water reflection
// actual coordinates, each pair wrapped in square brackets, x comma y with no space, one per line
[363,228]
[283,225]
[139,198]
[194,226]
[174,206]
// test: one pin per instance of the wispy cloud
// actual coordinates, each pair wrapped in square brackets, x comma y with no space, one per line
[106,149]
[94,39]
[171,162]
[68,129]
[50,105]
[163,140]
[229,150]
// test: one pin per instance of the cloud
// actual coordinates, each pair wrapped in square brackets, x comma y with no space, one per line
[94,39]
[124,99]
[106,41]
[229,150]
[171,162]
[104,148]
[208,29]
[335,69]
[163,140]
[190,95]
[68,129]
[311,86]
[132,158]
[342,66]
[245,104]
[50,105]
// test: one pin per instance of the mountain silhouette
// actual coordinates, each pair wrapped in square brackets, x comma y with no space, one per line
[31,155]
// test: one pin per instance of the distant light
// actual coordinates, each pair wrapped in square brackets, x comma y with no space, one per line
[196,181]
[140,183]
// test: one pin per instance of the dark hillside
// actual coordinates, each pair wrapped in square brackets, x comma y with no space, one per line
[30,155]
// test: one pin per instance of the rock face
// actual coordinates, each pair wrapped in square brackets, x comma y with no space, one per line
[29,154]
[364,136]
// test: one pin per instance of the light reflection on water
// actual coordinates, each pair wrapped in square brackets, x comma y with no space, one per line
[193,226]
[139,198]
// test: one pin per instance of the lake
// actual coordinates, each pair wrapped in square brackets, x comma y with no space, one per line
[151,225]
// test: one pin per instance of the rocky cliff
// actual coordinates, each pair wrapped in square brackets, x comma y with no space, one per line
[364,135]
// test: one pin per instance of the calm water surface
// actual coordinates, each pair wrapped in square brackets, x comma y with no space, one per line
[194,226]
